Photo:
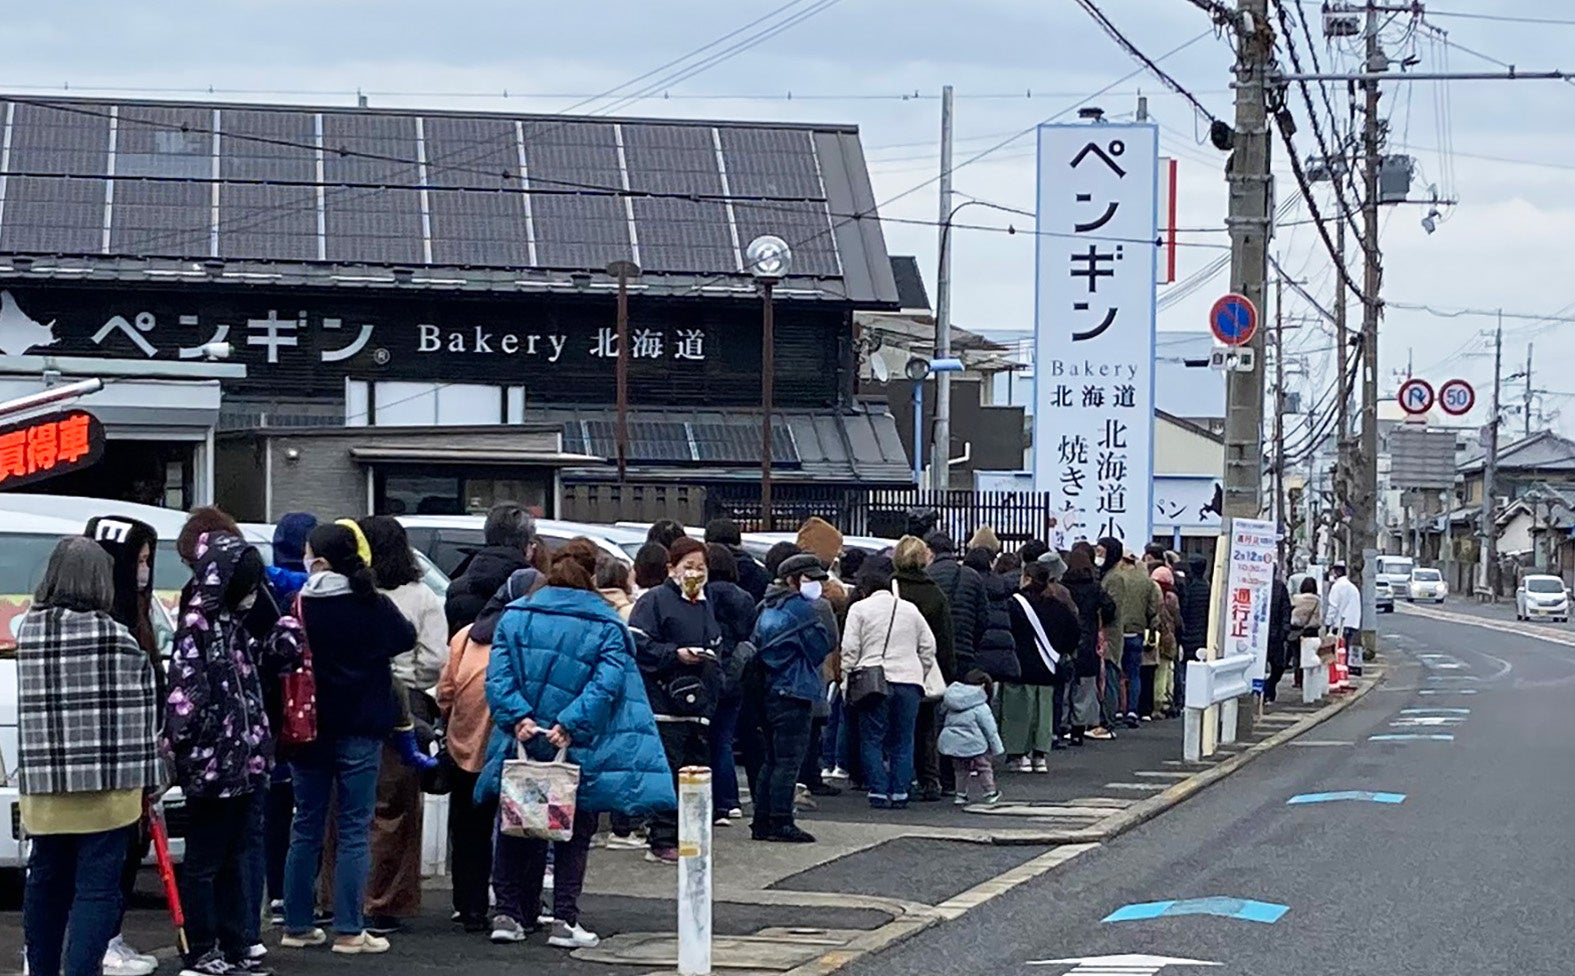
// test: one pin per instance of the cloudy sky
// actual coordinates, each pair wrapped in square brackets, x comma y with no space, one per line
[880,64]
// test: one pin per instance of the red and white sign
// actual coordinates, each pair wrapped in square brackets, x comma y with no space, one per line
[1457,397]
[1416,396]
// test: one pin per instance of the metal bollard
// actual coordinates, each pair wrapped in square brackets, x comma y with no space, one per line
[694,871]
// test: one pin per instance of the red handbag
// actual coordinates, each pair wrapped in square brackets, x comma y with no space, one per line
[298,726]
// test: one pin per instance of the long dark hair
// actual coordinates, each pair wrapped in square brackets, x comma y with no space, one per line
[393,562]
[574,566]
[336,545]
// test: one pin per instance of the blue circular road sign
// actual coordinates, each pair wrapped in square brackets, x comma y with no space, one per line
[1234,319]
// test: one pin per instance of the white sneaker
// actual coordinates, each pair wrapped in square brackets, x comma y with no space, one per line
[838,773]
[737,813]
[119,946]
[1023,765]
[364,944]
[633,842]
[505,930]
[1041,764]
[118,965]
[304,940]
[257,951]
[566,936]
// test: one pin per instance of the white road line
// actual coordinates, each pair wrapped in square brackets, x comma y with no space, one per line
[1163,775]
[1134,786]
[1315,743]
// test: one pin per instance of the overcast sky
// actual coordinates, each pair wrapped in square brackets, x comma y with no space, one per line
[1014,63]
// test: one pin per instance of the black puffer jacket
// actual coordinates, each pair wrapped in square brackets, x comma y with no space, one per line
[1060,627]
[1195,607]
[1095,609]
[969,603]
[997,650]
[479,577]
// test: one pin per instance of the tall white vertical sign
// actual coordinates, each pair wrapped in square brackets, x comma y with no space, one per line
[1094,329]
[1249,592]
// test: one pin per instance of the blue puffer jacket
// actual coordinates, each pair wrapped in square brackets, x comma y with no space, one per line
[562,656]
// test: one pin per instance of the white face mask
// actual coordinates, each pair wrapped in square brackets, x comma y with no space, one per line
[809,589]
[144,577]
[1099,562]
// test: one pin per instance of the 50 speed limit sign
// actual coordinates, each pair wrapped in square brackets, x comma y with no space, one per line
[1456,398]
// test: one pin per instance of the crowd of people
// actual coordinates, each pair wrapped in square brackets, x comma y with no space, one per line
[295,714]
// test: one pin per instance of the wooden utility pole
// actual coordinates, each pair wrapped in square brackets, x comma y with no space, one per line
[1364,535]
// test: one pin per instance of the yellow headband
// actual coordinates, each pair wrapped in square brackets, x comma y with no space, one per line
[362,547]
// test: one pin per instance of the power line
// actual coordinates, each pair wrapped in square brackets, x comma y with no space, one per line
[1132,49]
[1502,18]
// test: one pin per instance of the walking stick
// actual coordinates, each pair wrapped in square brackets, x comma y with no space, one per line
[161,850]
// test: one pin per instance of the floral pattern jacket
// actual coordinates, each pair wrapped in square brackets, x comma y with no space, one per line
[216,729]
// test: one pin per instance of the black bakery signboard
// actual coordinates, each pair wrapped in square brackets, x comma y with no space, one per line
[559,349]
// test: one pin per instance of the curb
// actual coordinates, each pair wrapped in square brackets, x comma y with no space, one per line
[1146,810]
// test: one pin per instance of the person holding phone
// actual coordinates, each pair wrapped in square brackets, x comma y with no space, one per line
[677,646]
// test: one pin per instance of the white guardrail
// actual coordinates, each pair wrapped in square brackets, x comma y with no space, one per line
[1222,681]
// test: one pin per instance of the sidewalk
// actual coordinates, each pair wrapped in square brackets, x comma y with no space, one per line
[778,906]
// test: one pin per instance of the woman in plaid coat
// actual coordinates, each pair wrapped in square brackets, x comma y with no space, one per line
[82,794]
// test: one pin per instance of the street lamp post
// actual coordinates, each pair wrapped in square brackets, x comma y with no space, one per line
[623,271]
[769,259]
[919,370]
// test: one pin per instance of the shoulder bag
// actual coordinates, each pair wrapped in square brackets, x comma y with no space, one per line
[867,683]
[1047,654]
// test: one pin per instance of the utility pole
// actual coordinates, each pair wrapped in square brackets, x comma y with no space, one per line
[1528,389]
[1279,416]
[1249,223]
[1342,441]
[1490,470]
[1364,537]
[941,449]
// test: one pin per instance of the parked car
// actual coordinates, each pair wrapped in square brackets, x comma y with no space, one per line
[26,540]
[757,544]
[1542,596]
[448,540]
[1426,584]
[1385,595]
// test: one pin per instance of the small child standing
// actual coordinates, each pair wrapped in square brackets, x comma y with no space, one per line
[969,736]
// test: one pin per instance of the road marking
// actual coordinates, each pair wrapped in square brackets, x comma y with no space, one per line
[1124,965]
[1444,691]
[1367,795]
[1135,786]
[1155,775]
[1415,721]
[1435,711]
[1239,908]
[1408,737]
[1315,743]
[1119,802]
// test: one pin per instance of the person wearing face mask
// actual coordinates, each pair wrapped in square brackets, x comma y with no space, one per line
[216,730]
[131,544]
[677,645]
[793,636]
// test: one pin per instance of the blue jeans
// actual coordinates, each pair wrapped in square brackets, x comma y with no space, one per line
[834,739]
[1132,668]
[724,765]
[73,878]
[886,732]
[350,766]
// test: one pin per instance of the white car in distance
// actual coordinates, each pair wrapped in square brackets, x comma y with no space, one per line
[1542,596]
[1426,584]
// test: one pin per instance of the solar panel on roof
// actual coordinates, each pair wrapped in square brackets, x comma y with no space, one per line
[267,222]
[739,443]
[678,235]
[381,225]
[56,215]
[172,216]
[485,223]
[771,163]
[575,227]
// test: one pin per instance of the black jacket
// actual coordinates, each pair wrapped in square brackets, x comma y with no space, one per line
[1095,609]
[1279,621]
[662,622]
[997,649]
[969,602]
[353,639]
[479,577]
[1060,626]
[735,615]
[1195,607]
[752,576]
[921,591]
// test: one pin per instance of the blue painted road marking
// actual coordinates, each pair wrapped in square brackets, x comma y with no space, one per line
[1409,737]
[1435,711]
[1367,795]
[1238,908]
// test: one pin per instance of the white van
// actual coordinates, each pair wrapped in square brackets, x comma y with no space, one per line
[26,540]
[1397,570]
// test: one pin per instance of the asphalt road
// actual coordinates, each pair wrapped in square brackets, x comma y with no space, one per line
[1469,875]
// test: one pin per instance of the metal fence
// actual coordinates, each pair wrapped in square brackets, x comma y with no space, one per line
[1016,516]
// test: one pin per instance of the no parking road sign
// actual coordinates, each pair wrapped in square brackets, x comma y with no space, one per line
[1457,398]
[1416,396]
[1234,319]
